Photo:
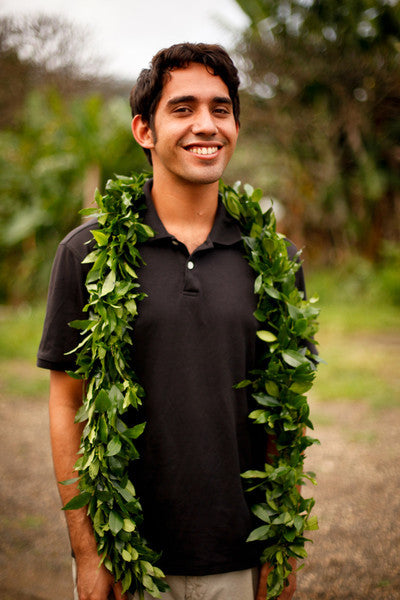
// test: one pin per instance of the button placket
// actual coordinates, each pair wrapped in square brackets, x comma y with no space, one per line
[192,284]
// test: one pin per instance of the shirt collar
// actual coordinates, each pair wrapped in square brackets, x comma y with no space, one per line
[225,231]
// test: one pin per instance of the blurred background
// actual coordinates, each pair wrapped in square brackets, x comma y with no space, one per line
[320,135]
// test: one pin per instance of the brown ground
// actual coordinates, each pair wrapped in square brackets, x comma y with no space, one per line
[356,553]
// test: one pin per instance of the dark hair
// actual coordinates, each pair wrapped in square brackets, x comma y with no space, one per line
[146,94]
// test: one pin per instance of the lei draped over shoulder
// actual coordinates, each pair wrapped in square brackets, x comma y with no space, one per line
[288,323]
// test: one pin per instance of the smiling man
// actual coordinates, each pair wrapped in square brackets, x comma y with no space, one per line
[194,339]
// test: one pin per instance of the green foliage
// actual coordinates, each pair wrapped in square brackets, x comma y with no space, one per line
[321,118]
[286,371]
[44,167]
[108,444]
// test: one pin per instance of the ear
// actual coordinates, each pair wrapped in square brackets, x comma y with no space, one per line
[142,132]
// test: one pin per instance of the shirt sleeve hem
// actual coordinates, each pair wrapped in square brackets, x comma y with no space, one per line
[54,366]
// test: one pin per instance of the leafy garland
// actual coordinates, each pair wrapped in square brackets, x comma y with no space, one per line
[103,356]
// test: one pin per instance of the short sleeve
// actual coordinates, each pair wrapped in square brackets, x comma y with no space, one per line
[66,298]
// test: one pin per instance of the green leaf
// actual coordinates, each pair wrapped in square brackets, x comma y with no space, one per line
[301,326]
[113,446]
[257,195]
[100,237]
[258,283]
[126,582]
[129,525]
[144,231]
[115,522]
[294,312]
[126,555]
[103,429]
[298,521]
[91,257]
[109,284]
[263,512]
[290,535]
[243,384]
[261,533]
[272,388]
[254,474]
[299,551]
[266,336]
[134,553]
[283,519]
[294,358]
[259,415]
[131,307]
[273,292]
[260,315]
[69,481]
[87,212]
[82,323]
[102,402]
[311,524]
[233,205]
[136,431]
[266,400]
[94,469]
[78,501]
[300,387]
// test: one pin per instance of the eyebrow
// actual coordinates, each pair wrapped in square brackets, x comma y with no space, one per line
[190,98]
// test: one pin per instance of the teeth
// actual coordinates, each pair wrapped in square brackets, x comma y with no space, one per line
[203,150]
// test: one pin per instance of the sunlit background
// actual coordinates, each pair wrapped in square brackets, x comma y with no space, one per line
[320,135]
[123,35]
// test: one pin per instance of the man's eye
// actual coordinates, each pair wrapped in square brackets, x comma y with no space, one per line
[222,110]
[182,109]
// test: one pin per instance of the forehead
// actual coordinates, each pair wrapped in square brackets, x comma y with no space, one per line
[193,80]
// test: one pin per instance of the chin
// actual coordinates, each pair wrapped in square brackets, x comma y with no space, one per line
[206,177]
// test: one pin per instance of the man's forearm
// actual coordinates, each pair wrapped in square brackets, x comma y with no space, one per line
[94,581]
[65,399]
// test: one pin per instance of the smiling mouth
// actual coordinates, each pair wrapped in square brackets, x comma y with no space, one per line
[203,150]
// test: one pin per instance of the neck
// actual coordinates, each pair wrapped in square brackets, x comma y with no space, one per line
[186,210]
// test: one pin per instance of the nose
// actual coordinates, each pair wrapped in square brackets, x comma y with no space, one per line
[204,123]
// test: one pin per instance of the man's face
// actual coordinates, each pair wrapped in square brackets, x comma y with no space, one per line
[194,132]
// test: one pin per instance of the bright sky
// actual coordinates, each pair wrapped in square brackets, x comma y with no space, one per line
[129,32]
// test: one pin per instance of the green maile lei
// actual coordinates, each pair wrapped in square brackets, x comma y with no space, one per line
[287,321]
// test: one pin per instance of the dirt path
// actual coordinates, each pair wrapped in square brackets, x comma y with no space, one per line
[356,554]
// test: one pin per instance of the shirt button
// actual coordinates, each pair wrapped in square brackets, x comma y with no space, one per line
[190,265]
[175,242]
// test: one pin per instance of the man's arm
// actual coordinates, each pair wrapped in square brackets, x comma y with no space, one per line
[94,582]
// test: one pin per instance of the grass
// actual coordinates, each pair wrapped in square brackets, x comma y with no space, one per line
[20,331]
[359,339]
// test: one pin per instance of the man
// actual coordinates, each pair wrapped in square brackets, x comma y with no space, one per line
[194,339]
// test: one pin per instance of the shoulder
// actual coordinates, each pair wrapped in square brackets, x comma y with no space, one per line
[79,241]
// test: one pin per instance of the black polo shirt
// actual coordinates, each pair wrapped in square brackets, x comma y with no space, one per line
[194,339]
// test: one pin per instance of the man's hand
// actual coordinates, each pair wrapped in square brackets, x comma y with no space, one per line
[95,582]
[289,590]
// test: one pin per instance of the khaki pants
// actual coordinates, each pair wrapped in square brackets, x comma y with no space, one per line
[237,585]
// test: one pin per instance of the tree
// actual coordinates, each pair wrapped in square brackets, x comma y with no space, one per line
[62,134]
[322,100]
